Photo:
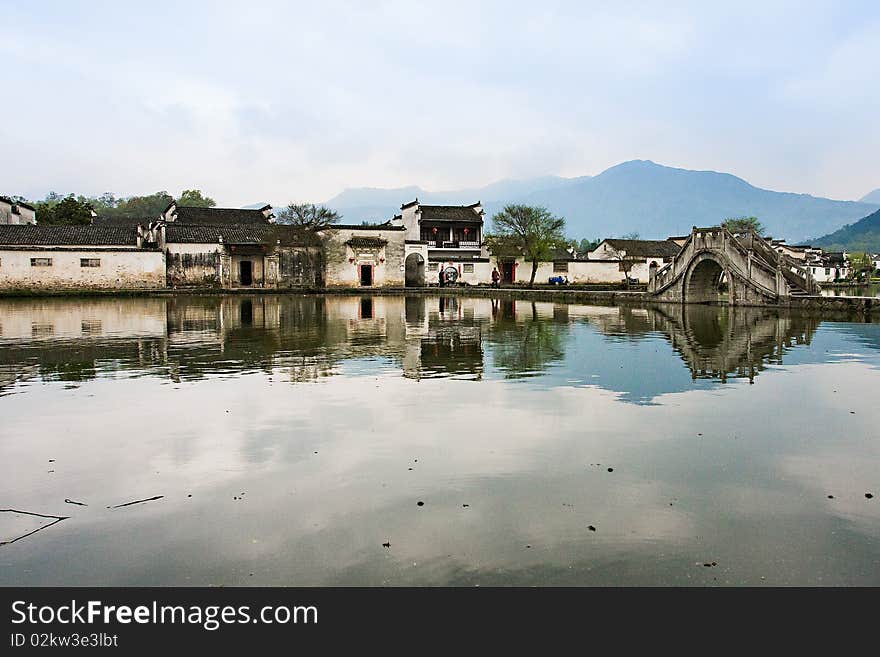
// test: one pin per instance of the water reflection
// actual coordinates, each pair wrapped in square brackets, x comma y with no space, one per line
[306,338]
[286,439]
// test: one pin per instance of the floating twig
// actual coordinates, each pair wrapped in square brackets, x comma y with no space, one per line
[149,499]
[55,520]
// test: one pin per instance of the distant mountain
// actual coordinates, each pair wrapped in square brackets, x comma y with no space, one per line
[370,203]
[872,197]
[637,196]
[863,235]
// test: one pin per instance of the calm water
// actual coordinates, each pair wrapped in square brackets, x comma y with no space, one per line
[284,440]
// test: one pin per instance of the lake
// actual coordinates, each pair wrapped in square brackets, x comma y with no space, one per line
[391,440]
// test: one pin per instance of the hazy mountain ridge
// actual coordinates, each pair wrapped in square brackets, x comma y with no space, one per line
[871,197]
[863,235]
[654,200]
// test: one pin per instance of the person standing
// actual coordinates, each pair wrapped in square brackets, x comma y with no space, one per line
[496,277]
[441,277]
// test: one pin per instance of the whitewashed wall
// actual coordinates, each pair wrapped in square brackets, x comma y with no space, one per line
[122,269]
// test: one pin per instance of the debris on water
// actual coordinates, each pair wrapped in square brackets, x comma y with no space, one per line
[420,503]
[67,501]
[190,495]
[831,497]
[316,452]
[387,544]
[869,495]
[54,519]
[710,564]
[591,528]
[409,469]
[148,499]
[610,469]
[852,412]
[51,460]
[49,471]
[528,547]
[699,434]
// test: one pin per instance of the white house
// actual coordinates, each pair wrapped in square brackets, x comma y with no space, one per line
[16,212]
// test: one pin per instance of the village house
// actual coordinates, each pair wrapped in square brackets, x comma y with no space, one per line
[828,267]
[448,237]
[16,212]
[642,257]
[78,257]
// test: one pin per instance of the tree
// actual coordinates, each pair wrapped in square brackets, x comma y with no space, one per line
[743,225]
[193,198]
[631,236]
[526,230]
[308,216]
[585,246]
[626,262]
[860,265]
[69,211]
[140,207]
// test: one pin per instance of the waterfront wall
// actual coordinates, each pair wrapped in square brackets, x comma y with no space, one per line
[72,268]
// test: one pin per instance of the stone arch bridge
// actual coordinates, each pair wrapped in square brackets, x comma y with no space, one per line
[715,265]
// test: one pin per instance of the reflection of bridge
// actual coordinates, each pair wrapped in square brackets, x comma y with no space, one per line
[733,343]
[714,258]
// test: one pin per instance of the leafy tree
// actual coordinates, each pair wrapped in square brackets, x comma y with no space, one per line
[69,211]
[532,232]
[585,246]
[308,216]
[141,207]
[743,225]
[193,198]
[861,265]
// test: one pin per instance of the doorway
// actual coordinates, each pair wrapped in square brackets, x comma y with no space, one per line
[507,271]
[246,272]
[366,275]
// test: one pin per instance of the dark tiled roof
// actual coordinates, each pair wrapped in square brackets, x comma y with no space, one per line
[26,205]
[44,235]
[120,221]
[385,226]
[6,199]
[646,248]
[237,234]
[218,216]
[449,213]
[366,241]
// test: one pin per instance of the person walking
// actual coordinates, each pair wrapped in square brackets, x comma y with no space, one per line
[496,277]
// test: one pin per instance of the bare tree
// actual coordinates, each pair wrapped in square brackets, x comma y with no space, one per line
[308,216]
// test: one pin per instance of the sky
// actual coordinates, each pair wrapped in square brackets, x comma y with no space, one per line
[282,101]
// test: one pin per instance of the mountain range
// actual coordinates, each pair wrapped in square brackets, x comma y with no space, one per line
[863,235]
[640,196]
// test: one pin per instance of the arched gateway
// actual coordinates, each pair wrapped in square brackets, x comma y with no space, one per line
[414,274]
[715,266]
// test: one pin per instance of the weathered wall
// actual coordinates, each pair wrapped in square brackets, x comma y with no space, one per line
[193,265]
[344,262]
[300,267]
[119,268]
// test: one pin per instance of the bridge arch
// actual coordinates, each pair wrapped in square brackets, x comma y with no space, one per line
[704,280]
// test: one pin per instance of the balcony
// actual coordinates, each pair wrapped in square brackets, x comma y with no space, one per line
[437,244]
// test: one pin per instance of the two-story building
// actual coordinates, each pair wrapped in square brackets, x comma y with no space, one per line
[16,212]
[452,237]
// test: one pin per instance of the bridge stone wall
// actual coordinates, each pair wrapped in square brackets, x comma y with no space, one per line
[754,273]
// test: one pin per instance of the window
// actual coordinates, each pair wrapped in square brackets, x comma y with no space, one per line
[89,262]
[468,269]
[827,271]
[41,262]
[560,267]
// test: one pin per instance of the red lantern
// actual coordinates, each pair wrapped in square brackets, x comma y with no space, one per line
[381,259]
[466,231]
[351,259]
[434,230]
